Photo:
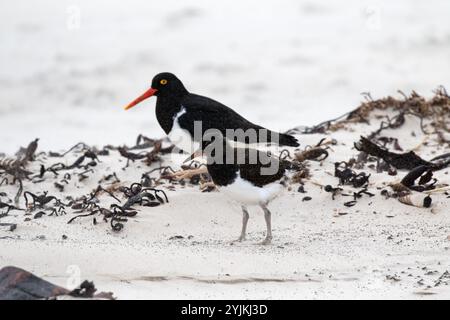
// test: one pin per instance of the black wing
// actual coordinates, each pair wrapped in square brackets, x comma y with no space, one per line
[215,115]
[266,170]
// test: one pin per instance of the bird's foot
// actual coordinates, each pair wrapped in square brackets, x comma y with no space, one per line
[240,239]
[188,174]
[266,241]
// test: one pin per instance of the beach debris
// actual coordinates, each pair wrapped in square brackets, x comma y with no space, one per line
[18,284]
[130,155]
[79,163]
[39,201]
[83,165]
[143,142]
[405,161]
[444,279]
[16,168]
[312,153]
[119,216]
[350,203]
[360,193]
[39,215]
[435,109]
[87,290]
[427,201]
[147,197]
[333,190]
[9,226]
[347,176]
[118,213]
[148,156]
[176,237]
[8,208]
[302,173]
[43,201]
[424,175]
[110,178]
[416,200]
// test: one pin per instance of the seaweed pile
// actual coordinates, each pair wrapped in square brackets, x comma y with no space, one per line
[381,151]
[436,110]
[80,165]
[115,201]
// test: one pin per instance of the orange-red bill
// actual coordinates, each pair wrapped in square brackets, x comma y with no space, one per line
[147,94]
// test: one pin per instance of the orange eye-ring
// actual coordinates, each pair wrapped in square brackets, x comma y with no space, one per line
[163,81]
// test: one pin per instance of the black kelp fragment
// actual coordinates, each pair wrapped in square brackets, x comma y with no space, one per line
[425,176]
[333,190]
[16,168]
[427,201]
[39,201]
[347,176]
[405,161]
[8,208]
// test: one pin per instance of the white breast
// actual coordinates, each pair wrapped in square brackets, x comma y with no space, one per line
[246,193]
[181,137]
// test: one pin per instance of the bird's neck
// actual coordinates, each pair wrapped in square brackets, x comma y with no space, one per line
[166,109]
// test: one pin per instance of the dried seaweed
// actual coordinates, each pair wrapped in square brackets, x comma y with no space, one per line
[118,214]
[15,170]
[87,290]
[435,109]
[130,155]
[407,161]
[347,176]
[148,157]
[16,167]
[333,190]
[8,208]
[360,193]
[312,153]
[425,176]
[79,163]
[136,193]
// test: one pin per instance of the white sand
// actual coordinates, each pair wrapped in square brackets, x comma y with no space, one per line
[380,249]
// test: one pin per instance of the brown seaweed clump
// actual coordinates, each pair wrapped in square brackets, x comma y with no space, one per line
[435,110]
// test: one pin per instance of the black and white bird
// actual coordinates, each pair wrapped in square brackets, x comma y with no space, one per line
[246,175]
[177,111]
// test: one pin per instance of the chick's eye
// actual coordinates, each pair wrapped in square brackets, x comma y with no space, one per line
[163,81]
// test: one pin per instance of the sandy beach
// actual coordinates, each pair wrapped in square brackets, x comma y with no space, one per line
[379,248]
[64,82]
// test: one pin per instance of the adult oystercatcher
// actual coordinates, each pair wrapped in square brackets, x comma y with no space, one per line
[178,111]
[249,176]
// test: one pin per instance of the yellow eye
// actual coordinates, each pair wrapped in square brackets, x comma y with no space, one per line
[163,81]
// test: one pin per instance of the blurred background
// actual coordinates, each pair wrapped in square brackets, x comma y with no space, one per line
[67,68]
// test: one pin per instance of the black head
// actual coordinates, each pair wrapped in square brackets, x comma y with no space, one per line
[164,84]
[168,84]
